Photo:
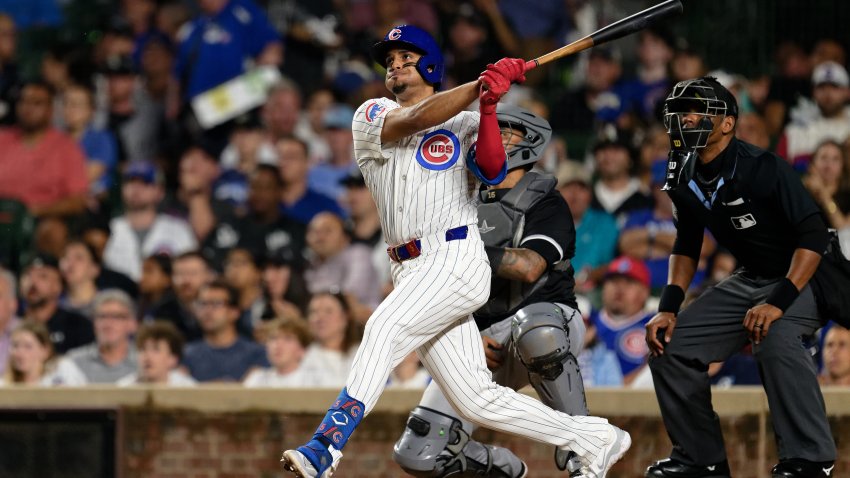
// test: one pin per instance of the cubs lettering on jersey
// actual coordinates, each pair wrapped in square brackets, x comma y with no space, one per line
[438,150]
[418,183]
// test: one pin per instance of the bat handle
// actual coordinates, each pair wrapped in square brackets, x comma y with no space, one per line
[531,64]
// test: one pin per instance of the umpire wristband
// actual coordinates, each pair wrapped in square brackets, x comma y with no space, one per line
[671,300]
[783,294]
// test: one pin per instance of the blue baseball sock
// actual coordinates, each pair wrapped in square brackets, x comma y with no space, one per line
[339,423]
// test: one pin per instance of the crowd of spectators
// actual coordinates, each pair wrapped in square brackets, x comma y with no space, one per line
[138,246]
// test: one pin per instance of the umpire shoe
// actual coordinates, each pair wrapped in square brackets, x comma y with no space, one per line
[799,468]
[617,444]
[295,462]
[672,468]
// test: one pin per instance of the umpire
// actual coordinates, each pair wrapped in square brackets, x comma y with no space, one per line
[756,207]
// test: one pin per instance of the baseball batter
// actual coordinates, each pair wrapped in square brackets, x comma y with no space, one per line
[420,156]
[530,325]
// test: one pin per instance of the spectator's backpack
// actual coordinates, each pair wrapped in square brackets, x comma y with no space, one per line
[831,285]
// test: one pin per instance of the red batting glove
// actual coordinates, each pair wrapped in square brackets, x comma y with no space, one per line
[493,87]
[511,68]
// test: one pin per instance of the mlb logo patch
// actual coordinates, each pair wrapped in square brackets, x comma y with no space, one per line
[743,222]
[372,111]
[438,150]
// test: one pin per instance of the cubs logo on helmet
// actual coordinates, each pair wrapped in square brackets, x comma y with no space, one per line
[372,111]
[394,34]
[438,150]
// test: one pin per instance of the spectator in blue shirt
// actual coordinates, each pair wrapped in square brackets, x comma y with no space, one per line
[215,46]
[222,355]
[299,201]
[98,145]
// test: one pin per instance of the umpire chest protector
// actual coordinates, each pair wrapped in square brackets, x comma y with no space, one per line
[501,224]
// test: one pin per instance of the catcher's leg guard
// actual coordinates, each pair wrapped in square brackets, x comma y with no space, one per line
[435,445]
[547,342]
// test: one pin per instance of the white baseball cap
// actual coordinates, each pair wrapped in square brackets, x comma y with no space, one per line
[830,72]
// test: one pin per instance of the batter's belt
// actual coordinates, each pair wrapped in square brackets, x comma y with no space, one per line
[413,249]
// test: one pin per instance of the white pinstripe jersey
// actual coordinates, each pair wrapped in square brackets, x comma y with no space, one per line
[420,183]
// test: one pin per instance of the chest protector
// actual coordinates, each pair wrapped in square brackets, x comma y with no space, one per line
[501,224]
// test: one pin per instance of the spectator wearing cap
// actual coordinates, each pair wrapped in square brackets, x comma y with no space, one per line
[142,231]
[215,46]
[831,91]
[596,230]
[617,190]
[325,177]
[642,95]
[335,264]
[159,348]
[594,102]
[263,229]
[112,355]
[298,200]
[365,224]
[98,145]
[8,311]
[130,112]
[621,320]
[41,288]
[42,166]
[648,235]
[221,355]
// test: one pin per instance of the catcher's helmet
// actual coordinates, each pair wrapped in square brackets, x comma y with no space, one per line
[535,134]
[430,65]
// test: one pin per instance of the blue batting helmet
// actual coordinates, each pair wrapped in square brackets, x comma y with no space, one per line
[430,65]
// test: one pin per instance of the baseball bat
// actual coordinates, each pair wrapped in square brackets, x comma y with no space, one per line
[619,29]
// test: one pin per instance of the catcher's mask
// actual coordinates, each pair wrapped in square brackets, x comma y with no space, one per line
[535,132]
[704,97]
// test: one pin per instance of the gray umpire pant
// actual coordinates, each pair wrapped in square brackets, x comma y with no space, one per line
[711,330]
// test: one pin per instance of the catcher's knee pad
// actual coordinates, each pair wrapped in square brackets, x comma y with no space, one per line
[542,341]
[432,446]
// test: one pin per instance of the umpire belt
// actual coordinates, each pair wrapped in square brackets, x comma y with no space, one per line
[413,249]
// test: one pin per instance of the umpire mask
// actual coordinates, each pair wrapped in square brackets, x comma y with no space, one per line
[691,97]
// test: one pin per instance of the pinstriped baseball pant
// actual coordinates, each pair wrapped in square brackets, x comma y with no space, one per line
[429,311]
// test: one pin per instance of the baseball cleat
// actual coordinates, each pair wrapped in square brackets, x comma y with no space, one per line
[798,468]
[295,462]
[618,443]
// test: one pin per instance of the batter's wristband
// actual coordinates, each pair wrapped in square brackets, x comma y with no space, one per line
[671,300]
[783,294]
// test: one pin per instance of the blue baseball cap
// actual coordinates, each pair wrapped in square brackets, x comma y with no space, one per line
[144,171]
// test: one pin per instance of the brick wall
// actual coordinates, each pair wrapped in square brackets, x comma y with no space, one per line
[187,444]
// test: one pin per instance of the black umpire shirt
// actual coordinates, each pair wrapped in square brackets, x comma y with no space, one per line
[759,211]
[550,232]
